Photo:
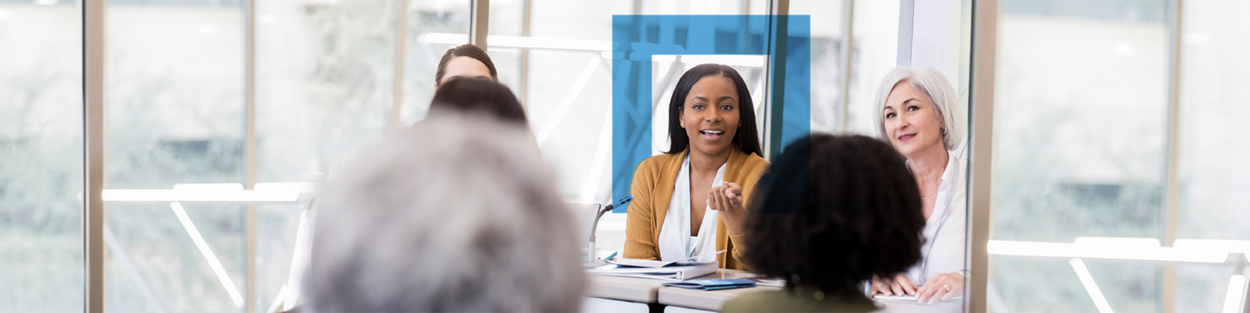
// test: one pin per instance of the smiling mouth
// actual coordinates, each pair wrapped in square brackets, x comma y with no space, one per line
[711,134]
[906,137]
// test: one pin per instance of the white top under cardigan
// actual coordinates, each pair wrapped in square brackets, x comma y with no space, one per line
[675,241]
[945,231]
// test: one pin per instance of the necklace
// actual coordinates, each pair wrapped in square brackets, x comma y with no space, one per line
[930,194]
[935,190]
[918,183]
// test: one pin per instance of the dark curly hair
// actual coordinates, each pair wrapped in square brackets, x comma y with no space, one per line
[833,212]
[747,137]
[477,94]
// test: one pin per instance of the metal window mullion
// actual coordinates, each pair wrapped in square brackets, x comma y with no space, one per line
[773,97]
[1172,187]
[984,49]
[906,26]
[401,28]
[526,20]
[479,22]
[93,154]
[250,150]
[844,60]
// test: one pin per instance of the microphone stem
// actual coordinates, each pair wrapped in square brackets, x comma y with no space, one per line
[590,254]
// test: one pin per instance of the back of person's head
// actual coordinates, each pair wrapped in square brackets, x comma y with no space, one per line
[477,95]
[832,212]
[465,50]
[445,217]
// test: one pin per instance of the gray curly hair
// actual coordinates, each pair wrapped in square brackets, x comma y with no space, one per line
[450,215]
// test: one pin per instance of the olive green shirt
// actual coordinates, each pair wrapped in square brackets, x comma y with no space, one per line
[799,300]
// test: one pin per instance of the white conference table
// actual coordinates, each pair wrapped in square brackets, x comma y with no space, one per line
[612,294]
[628,294]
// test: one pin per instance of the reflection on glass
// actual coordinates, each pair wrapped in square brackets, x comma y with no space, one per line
[40,157]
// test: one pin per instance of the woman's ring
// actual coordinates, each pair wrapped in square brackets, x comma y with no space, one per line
[947,287]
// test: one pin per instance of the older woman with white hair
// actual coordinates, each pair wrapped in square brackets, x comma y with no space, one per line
[445,217]
[919,114]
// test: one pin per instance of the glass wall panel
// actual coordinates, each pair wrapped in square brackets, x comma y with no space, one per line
[174,100]
[568,95]
[325,86]
[421,56]
[873,54]
[827,69]
[1212,173]
[507,18]
[325,83]
[41,167]
[1079,148]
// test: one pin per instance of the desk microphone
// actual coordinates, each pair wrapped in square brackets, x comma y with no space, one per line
[590,254]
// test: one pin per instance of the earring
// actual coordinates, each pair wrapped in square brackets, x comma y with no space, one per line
[943,131]
[683,124]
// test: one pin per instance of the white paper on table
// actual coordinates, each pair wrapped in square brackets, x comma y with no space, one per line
[908,298]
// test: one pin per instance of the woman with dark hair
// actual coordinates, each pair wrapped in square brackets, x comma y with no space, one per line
[477,95]
[834,212]
[689,202]
[464,61]
[481,96]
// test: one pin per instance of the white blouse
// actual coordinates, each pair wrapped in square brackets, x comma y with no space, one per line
[675,241]
[945,231]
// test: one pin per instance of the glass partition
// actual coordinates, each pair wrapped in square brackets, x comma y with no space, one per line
[174,98]
[1080,125]
[421,56]
[1210,171]
[1084,102]
[41,156]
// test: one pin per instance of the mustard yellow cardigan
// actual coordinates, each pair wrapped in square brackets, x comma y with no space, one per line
[652,189]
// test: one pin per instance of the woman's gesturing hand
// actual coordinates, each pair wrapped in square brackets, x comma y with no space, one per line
[727,199]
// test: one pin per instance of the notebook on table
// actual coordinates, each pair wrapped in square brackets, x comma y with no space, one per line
[671,271]
[712,284]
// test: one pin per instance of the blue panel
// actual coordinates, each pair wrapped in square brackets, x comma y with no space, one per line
[637,37]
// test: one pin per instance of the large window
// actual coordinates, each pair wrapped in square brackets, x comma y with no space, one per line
[41,259]
[1212,173]
[1083,102]
[326,84]
[174,93]
[421,56]
[1079,145]
[1081,155]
